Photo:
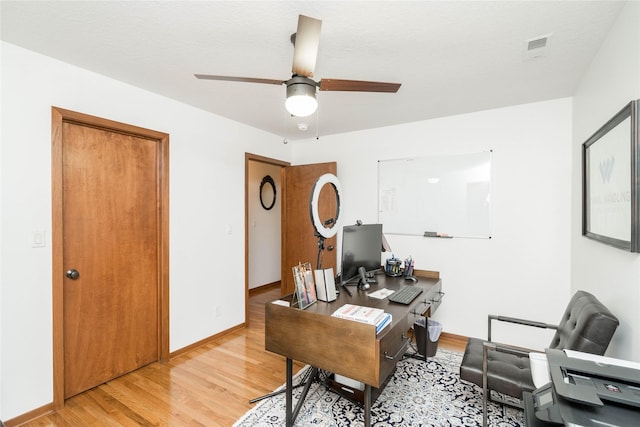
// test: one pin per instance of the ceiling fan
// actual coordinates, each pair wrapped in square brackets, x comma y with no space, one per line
[301,89]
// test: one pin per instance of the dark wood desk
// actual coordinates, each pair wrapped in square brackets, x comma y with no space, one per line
[345,347]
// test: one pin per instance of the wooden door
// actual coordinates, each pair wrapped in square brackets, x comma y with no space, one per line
[113,254]
[298,241]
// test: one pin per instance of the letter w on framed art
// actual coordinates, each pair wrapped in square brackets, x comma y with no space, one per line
[610,187]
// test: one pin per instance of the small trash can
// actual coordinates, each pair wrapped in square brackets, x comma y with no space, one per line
[435,328]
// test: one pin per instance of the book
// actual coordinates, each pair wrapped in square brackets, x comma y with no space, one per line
[325,285]
[386,320]
[359,313]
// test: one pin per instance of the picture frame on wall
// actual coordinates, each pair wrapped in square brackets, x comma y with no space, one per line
[610,174]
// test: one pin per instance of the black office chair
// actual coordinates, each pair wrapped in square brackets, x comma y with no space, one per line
[586,326]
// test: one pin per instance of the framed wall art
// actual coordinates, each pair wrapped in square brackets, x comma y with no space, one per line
[610,174]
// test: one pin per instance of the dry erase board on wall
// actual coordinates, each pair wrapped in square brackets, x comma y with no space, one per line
[449,195]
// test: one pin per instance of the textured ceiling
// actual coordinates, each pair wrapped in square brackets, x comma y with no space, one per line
[451,57]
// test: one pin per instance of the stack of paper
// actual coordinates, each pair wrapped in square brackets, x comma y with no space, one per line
[380,293]
[368,315]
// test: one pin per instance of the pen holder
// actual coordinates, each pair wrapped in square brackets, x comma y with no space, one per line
[393,267]
[408,268]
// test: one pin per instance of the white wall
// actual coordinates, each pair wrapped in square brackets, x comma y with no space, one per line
[523,270]
[612,80]
[206,199]
[530,267]
[264,227]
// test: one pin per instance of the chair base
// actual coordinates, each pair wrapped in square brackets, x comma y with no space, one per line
[516,403]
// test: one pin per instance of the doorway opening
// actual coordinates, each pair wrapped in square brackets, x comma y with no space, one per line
[263,195]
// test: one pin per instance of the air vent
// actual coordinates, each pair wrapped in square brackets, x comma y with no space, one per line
[536,47]
[537,43]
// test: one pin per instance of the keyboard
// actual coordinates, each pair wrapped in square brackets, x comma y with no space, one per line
[405,295]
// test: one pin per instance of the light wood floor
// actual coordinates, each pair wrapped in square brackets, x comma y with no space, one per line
[207,386]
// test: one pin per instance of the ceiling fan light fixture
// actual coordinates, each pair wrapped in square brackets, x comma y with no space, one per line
[301,105]
[301,97]
[301,89]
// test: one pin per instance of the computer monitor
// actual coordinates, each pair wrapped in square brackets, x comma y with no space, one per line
[361,247]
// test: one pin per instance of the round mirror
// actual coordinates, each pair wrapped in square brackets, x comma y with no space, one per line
[267,192]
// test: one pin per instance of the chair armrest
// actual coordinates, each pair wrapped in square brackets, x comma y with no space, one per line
[506,348]
[517,321]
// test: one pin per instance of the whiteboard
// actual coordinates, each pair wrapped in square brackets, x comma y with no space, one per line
[448,195]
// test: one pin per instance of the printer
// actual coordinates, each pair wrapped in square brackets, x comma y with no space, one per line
[585,390]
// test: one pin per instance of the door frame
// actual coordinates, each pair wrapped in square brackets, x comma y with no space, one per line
[257,158]
[58,117]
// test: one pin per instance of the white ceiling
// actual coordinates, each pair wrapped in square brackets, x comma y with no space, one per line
[451,57]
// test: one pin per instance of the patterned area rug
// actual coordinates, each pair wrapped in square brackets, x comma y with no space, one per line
[418,394]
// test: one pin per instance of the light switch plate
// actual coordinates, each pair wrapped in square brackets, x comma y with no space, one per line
[39,239]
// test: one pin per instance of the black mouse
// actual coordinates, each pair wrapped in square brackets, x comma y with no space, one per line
[413,279]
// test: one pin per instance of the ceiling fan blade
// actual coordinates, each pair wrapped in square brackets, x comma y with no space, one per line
[358,86]
[239,79]
[305,48]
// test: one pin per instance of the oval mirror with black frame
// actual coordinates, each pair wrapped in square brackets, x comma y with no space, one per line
[267,192]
